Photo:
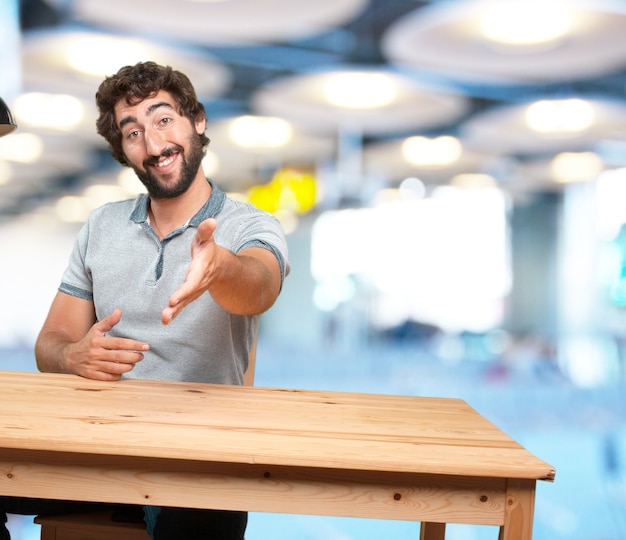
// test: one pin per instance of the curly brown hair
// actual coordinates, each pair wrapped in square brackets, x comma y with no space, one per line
[136,83]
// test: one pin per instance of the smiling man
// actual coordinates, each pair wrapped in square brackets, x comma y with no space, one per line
[169,286]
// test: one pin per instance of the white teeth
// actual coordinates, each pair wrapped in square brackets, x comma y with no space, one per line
[165,162]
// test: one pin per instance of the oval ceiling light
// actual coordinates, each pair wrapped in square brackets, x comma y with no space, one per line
[559,116]
[359,90]
[440,151]
[21,148]
[74,62]
[568,40]
[260,132]
[398,102]
[570,167]
[217,23]
[507,130]
[103,55]
[473,181]
[57,111]
[412,188]
[525,22]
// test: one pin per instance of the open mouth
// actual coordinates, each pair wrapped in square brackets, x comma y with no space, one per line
[165,161]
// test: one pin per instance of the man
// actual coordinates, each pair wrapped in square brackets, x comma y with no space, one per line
[169,286]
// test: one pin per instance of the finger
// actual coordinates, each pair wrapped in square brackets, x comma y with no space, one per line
[184,296]
[168,315]
[125,344]
[97,375]
[109,322]
[102,352]
[120,359]
[106,371]
[187,292]
[171,312]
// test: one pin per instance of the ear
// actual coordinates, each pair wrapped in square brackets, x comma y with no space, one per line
[200,124]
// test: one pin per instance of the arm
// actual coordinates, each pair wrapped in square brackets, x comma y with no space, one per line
[246,283]
[71,341]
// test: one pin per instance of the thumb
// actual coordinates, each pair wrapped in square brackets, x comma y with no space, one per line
[206,229]
[107,324]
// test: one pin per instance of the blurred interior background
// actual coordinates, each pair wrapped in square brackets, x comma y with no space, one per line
[452,179]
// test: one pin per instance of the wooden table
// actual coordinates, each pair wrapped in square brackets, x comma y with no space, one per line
[433,460]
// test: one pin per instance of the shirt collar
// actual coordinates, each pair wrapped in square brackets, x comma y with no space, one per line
[210,209]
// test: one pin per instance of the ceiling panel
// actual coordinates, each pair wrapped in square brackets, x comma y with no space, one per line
[268,57]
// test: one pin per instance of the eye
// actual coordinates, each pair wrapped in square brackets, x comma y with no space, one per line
[133,134]
[165,120]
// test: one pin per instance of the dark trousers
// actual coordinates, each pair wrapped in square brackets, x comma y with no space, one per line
[172,523]
[193,524]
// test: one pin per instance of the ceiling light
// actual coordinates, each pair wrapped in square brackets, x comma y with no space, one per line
[473,181]
[560,116]
[59,111]
[5,173]
[525,22]
[21,147]
[440,151]
[103,55]
[412,188]
[359,90]
[576,167]
[260,131]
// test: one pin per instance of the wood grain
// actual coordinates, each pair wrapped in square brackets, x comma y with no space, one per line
[258,426]
[433,460]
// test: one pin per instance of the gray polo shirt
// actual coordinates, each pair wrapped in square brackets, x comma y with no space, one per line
[118,261]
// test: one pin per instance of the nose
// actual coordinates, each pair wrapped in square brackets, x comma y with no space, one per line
[155,142]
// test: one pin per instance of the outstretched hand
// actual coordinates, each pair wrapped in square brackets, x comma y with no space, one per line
[245,283]
[204,256]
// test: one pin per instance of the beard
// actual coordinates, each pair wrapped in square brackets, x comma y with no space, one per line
[190,165]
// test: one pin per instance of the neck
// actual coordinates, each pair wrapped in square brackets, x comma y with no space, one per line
[167,215]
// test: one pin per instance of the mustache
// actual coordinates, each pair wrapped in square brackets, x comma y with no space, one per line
[153,160]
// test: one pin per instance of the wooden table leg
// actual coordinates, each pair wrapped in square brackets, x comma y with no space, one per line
[520,507]
[432,531]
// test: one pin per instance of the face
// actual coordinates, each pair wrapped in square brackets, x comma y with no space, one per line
[162,147]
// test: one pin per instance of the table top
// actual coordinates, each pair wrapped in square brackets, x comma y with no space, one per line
[258,426]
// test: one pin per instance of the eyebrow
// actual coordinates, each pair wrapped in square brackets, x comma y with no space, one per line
[129,119]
